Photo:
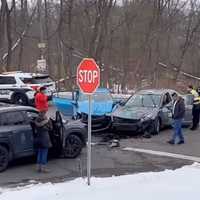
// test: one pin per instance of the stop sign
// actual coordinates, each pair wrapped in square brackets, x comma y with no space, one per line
[88,76]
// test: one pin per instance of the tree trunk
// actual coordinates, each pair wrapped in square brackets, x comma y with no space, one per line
[48,40]
[9,38]
[2,23]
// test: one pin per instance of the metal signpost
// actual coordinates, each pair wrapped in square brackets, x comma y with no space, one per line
[88,80]
[89,140]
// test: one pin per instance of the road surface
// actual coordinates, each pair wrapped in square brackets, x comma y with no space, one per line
[107,161]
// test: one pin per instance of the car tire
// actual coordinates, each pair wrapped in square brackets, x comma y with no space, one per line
[73,146]
[156,126]
[20,99]
[4,158]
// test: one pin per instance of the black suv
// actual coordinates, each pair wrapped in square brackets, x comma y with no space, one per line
[17,134]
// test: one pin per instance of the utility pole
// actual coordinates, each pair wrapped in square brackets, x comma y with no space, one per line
[41,44]
[41,63]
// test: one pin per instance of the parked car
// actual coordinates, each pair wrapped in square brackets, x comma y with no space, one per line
[17,134]
[148,110]
[76,106]
[36,80]
[19,88]
[14,90]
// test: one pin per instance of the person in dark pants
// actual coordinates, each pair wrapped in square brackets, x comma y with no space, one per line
[196,116]
[178,113]
[42,141]
[196,107]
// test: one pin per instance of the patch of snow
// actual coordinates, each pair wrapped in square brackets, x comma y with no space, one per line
[177,184]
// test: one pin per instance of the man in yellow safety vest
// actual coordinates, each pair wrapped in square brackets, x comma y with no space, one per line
[196,107]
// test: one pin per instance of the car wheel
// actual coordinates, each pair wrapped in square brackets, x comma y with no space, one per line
[156,126]
[3,158]
[73,146]
[20,99]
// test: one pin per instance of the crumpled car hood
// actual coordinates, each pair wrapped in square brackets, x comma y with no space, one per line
[134,112]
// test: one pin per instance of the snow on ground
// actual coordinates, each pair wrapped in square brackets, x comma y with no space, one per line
[179,184]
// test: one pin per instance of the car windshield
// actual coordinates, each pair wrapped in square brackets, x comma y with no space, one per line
[144,100]
[99,96]
[43,79]
[36,80]
[26,80]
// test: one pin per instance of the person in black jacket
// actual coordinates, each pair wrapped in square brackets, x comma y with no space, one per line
[42,141]
[178,113]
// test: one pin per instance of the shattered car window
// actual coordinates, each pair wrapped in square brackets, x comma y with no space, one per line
[144,100]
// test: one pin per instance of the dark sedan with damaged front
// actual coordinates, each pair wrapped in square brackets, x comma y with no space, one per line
[148,111]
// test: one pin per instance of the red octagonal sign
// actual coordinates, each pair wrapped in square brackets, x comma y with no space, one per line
[88,76]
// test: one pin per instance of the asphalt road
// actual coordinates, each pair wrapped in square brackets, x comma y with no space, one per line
[106,161]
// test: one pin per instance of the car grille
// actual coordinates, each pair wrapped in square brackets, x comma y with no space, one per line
[123,120]
[99,123]
[95,119]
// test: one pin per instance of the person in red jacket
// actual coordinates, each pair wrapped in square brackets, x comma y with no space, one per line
[41,100]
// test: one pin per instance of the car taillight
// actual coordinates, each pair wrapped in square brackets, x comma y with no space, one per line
[35,87]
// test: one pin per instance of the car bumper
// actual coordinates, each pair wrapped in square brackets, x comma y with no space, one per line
[132,127]
[99,123]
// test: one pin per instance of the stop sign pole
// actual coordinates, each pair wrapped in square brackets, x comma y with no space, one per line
[89,152]
[88,80]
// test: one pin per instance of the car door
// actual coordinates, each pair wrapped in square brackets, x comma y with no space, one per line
[8,84]
[65,104]
[30,116]
[188,109]
[166,110]
[22,134]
